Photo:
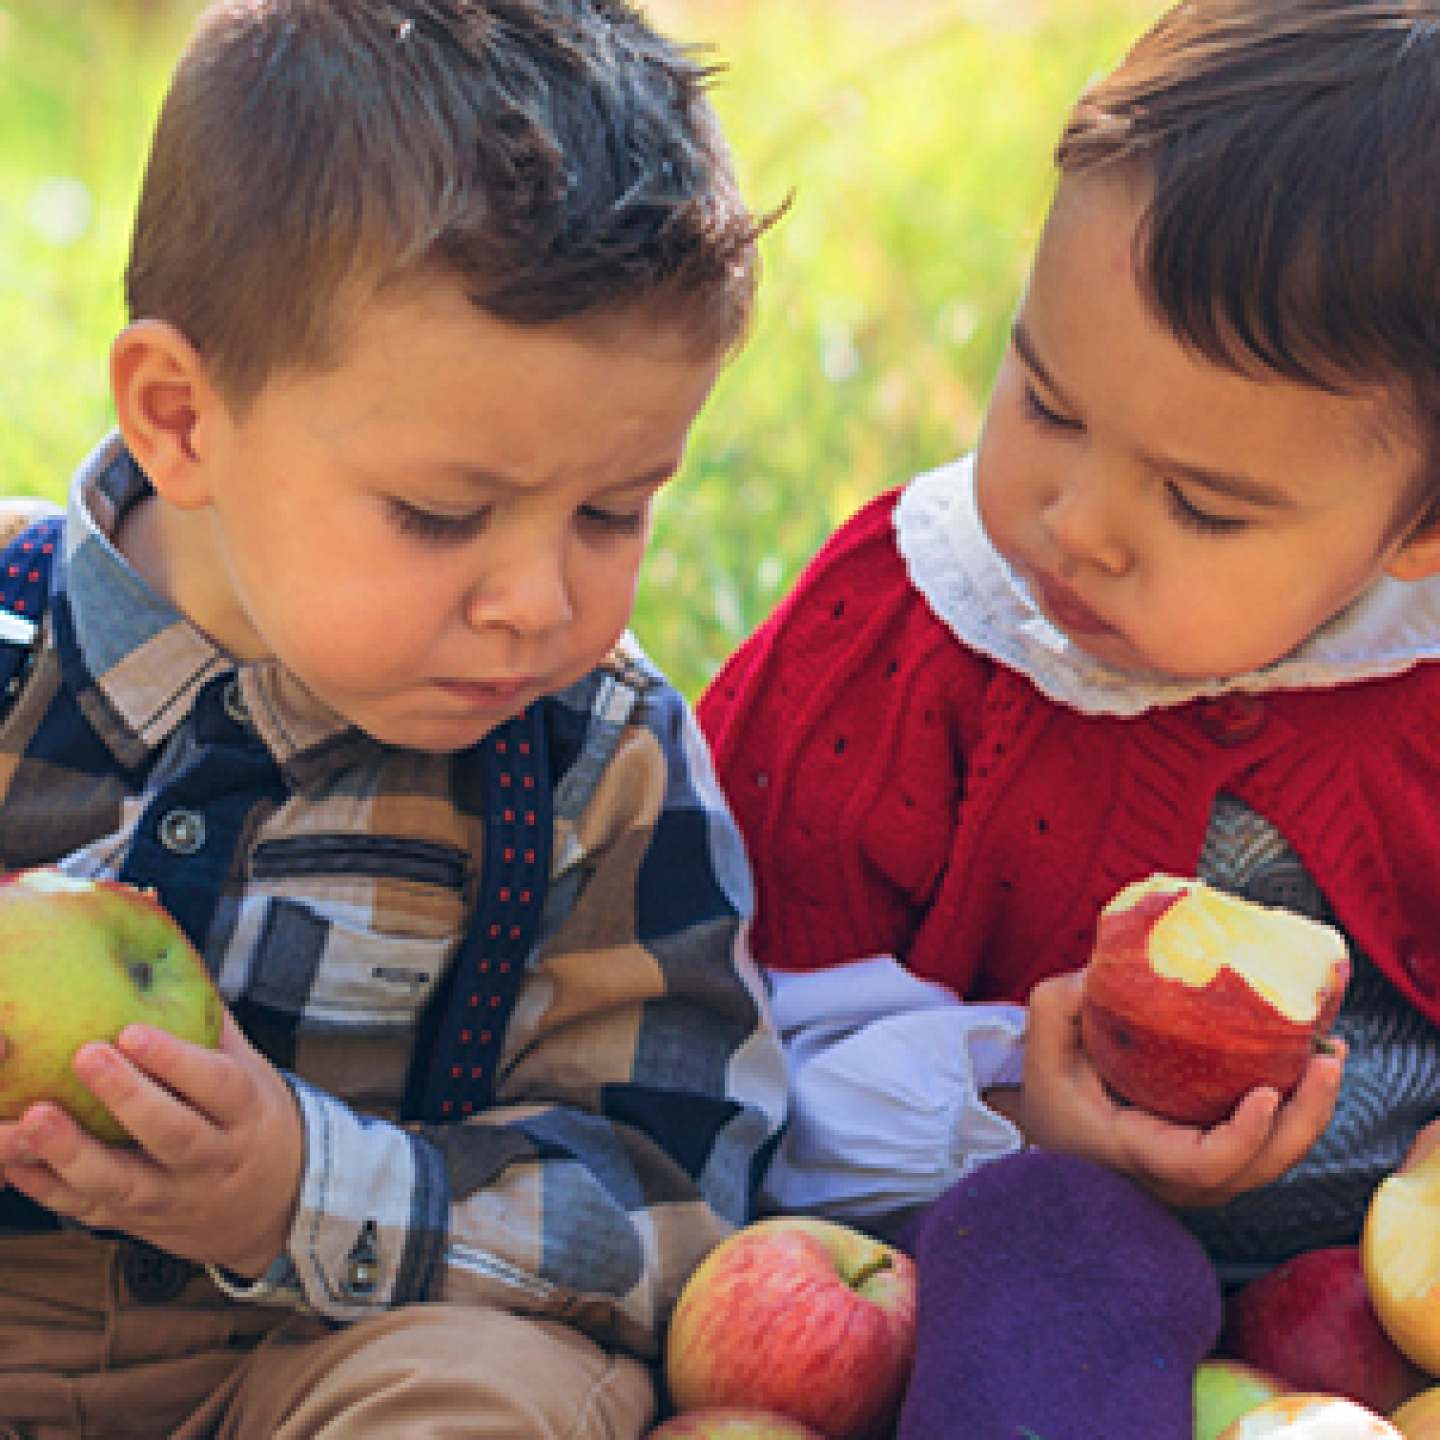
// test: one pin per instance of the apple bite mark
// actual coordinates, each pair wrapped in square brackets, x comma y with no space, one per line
[1194,997]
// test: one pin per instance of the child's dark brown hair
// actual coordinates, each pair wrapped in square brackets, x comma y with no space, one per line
[558,156]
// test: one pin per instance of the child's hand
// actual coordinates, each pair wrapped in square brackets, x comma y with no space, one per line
[1065,1106]
[216,1168]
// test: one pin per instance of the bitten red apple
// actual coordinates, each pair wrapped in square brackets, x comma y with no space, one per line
[1311,1417]
[805,1317]
[1194,997]
[1310,1321]
[733,1424]
[79,961]
[1401,1251]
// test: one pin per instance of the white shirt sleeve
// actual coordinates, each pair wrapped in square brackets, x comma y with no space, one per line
[886,1076]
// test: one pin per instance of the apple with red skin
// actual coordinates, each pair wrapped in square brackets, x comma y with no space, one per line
[733,1424]
[1311,1417]
[1310,1321]
[805,1317]
[1193,997]
[1226,1389]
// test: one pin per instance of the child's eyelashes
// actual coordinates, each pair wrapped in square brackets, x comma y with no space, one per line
[614,522]
[435,525]
[441,527]
[1188,513]
[1036,409]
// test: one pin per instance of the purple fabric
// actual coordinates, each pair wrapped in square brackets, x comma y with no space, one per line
[1057,1301]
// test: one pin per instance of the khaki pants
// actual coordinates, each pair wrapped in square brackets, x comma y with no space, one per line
[96,1347]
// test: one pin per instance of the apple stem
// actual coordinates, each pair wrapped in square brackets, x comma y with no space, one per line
[865,1272]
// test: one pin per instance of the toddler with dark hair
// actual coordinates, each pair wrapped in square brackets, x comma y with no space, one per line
[1179,612]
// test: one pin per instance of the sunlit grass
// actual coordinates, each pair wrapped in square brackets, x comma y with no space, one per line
[913,138]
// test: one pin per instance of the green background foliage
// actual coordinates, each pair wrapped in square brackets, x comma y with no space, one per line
[912,139]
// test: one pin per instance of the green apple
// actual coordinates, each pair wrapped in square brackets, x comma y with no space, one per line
[1226,1389]
[79,961]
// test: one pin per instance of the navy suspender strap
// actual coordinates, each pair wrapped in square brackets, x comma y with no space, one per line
[459,1040]
[25,565]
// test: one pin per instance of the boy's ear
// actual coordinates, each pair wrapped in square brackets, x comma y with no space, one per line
[166,408]
[1419,557]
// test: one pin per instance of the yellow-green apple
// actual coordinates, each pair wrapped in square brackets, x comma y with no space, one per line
[1400,1245]
[1310,1321]
[1193,997]
[732,1424]
[806,1317]
[79,961]
[1226,1389]
[1311,1417]
[1419,1417]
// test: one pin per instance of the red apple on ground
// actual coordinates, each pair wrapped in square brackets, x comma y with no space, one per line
[1310,1321]
[79,961]
[1194,997]
[1401,1250]
[806,1317]
[1419,1417]
[1311,1417]
[1226,1389]
[733,1424]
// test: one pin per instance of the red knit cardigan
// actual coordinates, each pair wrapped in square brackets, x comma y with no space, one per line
[902,795]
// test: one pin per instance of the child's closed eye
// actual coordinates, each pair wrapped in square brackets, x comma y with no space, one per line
[1188,513]
[435,525]
[1042,414]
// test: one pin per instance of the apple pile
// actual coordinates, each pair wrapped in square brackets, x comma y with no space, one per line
[1193,997]
[1311,1322]
[79,961]
[802,1318]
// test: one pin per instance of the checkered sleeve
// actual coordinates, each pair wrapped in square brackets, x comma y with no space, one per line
[642,1086]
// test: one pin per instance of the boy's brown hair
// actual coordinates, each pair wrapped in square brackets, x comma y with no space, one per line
[1294,220]
[558,156]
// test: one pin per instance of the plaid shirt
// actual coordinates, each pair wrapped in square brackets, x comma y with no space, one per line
[639,1087]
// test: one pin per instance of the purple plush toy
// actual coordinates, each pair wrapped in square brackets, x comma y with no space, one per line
[1057,1301]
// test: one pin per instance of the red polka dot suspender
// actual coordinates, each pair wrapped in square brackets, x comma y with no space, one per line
[467,1024]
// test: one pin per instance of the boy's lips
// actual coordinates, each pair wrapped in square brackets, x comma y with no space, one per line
[488,692]
[1067,609]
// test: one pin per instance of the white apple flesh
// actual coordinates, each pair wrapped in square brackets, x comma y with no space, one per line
[1311,1417]
[1194,997]
[79,961]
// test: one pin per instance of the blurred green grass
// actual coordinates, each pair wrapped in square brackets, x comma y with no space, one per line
[913,135]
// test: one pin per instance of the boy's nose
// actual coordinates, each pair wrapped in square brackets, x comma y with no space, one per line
[1080,519]
[529,596]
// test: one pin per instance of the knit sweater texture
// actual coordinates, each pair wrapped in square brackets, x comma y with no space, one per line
[901,794]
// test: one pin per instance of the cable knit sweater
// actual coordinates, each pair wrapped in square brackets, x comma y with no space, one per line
[902,793]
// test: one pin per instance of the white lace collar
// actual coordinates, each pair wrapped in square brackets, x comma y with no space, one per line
[951,562]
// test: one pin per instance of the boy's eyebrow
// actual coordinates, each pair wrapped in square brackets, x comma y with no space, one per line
[486,478]
[1231,484]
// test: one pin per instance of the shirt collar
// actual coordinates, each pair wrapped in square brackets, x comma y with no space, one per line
[147,660]
[1392,627]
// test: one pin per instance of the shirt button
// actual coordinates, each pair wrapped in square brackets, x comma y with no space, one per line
[235,706]
[1420,966]
[182,832]
[1231,719]
[151,1276]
